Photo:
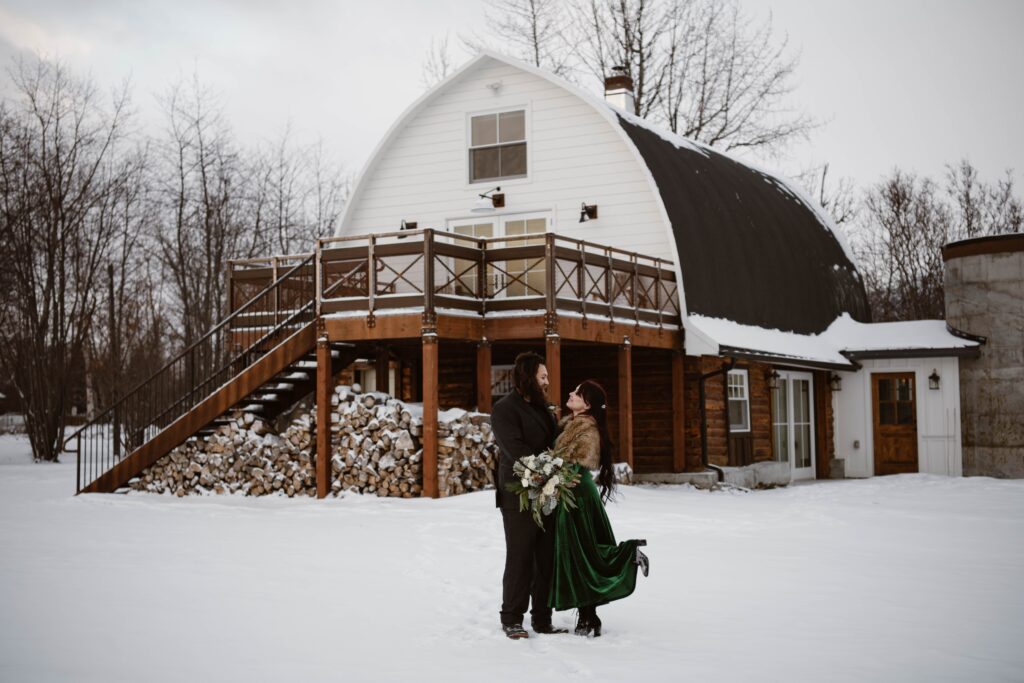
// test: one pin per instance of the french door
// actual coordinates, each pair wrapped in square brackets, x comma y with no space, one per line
[512,278]
[793,423]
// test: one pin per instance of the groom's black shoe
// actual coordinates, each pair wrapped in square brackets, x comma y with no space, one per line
[515,631]
[547,628]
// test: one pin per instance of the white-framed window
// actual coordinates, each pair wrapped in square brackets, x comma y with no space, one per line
[737,387]
[497,146]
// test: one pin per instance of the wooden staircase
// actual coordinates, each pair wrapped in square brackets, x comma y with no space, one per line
[190,395]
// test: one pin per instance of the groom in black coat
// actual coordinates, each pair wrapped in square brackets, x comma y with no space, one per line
[523,425]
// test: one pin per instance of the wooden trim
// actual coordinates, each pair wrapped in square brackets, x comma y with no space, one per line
[992,244]
[678,413]
[483,377]
[323,417]
[252,378]
[430,402]
[626,404]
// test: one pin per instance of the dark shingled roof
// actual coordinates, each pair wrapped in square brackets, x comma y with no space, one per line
[750,250]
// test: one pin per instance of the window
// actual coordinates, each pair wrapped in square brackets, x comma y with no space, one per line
[497,146]
[739,401]
[502,381]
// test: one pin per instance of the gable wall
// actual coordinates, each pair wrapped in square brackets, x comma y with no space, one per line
[575,156]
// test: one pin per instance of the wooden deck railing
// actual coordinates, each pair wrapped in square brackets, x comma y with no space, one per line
[433,271]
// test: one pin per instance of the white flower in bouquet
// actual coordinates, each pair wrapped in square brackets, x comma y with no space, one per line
[552,485]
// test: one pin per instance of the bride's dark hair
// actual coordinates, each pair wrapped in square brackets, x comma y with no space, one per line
[597,398]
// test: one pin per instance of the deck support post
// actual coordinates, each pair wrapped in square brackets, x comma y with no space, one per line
[626,402]
[483,376]
[553,362]
[323,416]
[382,370]
[678,413]
[430,401]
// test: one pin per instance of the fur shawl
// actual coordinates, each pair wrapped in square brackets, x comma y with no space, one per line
[580,441]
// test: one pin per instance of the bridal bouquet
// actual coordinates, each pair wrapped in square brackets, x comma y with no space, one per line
[543,482]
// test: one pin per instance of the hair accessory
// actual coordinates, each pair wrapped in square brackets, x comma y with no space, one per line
[603,406]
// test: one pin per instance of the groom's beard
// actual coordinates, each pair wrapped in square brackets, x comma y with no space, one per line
[537,396]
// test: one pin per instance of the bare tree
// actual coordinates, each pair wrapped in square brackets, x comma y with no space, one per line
[203,218]
[438,64]
[902,250]
[703,68]
[534,31]
[982,208]
[633,34]
[838,198]
[58,171]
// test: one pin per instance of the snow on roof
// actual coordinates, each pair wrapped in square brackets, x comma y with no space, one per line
[836,345]
[911,335]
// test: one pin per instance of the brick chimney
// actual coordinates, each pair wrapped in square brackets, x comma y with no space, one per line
[618,89]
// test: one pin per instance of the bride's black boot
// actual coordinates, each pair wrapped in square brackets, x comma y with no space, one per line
[587,622]
[641,559]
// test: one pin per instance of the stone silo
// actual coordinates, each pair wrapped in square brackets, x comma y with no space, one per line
[984,284]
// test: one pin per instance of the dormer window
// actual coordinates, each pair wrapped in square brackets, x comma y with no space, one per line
[497,146]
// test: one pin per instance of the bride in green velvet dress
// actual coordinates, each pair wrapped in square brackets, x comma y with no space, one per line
[591,569]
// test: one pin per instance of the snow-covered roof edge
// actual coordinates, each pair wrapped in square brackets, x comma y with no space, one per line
[842,343]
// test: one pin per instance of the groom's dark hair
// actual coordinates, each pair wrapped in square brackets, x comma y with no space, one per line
[524,376]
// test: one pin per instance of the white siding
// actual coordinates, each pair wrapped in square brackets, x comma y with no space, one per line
[938,416]
[574,156]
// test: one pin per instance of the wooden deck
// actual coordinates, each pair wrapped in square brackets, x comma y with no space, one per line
[420,296]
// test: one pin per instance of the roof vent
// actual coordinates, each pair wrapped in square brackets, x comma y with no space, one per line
[618,89]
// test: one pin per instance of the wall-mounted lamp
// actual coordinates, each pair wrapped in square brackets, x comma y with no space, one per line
[588,212]
[407,225]
[836,382]
[489,201]
[773,379]
[933,379]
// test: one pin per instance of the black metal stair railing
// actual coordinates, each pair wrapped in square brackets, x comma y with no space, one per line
[283,307]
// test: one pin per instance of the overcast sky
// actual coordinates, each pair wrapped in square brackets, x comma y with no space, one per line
[899,82]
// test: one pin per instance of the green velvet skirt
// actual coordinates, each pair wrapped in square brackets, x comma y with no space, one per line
[591,569]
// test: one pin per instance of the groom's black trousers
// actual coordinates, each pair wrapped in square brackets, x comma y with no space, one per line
[529,559]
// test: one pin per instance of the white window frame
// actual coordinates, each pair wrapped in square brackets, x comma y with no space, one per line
[746,400]
[527,132]
[499,221]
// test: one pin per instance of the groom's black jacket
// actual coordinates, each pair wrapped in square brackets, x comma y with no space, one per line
[520,429]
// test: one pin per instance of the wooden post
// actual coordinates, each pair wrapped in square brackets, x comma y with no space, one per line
[678,414]
[626,403]
[430,401]
[382,370]
[323,416]
[483,376]
[553,362]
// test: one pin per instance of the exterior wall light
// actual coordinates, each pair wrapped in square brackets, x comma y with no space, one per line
[407,225]
[933,379]
[773,379]
[836,382]
[588,212]
[489,201]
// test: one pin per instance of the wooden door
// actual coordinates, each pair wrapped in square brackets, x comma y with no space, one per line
[894,408]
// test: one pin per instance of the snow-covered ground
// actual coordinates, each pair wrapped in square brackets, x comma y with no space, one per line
[903,578]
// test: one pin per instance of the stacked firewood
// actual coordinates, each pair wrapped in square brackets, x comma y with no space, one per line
[375,449]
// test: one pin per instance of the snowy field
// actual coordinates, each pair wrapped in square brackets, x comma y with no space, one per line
[903,578]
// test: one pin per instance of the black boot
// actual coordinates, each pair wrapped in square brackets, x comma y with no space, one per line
[547,628]
[587,623]
[641,559]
